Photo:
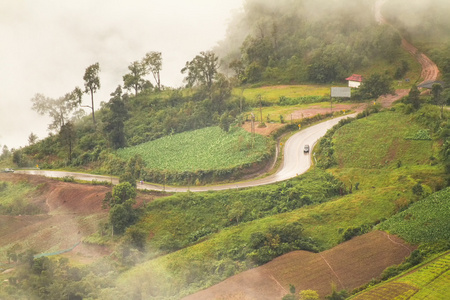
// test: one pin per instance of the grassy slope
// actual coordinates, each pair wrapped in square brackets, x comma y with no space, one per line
[203,149]
[388,132]
[383,190]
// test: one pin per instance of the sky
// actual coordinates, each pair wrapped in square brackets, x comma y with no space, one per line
[46,46]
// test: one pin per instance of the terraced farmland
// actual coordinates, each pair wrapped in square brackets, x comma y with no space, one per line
[431,281]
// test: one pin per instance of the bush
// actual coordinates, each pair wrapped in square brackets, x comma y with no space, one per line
[278,241]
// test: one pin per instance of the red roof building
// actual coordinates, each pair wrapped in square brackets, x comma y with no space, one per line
[354,81]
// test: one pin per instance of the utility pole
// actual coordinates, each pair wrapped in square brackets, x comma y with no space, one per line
[260,109]
[253,129]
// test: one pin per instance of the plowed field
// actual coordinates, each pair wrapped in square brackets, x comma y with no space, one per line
[348,266]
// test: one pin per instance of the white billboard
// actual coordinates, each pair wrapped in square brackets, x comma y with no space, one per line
[341,92]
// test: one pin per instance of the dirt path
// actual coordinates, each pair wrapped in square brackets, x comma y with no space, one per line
[430,71]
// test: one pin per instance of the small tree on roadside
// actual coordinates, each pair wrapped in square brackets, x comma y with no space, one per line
[121,201]
[67,137]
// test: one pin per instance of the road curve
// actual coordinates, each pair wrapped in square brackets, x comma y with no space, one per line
[295,162]
[430,71]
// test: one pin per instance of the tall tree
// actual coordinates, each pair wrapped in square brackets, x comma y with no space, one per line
[115,118]
[414,97]
[220,91]
[92,84]
[202,69]
[32,138]
[153,62]
[436,91]
[60,110]
[135,79]
[67,136]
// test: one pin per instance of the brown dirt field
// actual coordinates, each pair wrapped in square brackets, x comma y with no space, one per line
[71,211]
[348,266]
[270,127]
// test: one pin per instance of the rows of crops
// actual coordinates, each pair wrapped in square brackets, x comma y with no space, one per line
[204,149]
[424,221]
[431,281]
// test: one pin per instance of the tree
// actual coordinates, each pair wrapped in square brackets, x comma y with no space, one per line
[121,216]
[135,79]
[114,119]
[375,86]
[60,110]
[225,122]
[67,136]
[123,192]
[201,70]
[121,201]
[237,210]
[238,67]
[5,153]
[220,91]
[436,91]
[92,84]
[414,97]
[153,63]
[32,139]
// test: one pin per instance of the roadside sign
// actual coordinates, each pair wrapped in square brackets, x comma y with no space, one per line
[341,92]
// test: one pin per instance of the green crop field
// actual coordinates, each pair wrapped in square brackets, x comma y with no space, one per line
[430,281]
[424,221]
[203,149]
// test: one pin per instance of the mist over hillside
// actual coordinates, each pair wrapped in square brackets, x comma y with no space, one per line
[303,41]
[420,19]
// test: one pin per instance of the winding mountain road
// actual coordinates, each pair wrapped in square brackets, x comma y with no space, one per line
[295,162]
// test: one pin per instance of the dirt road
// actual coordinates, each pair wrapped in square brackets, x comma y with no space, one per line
[430,71]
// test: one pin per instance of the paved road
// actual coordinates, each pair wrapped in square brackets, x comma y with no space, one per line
[295,162]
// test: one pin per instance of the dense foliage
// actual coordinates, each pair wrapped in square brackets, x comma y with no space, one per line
[188,218]
[298,41]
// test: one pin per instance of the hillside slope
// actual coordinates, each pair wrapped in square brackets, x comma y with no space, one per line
[347,265]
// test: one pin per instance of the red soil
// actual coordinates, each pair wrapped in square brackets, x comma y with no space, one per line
[348,266]
[70,212]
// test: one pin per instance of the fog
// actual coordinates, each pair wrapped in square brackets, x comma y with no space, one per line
[47,45]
